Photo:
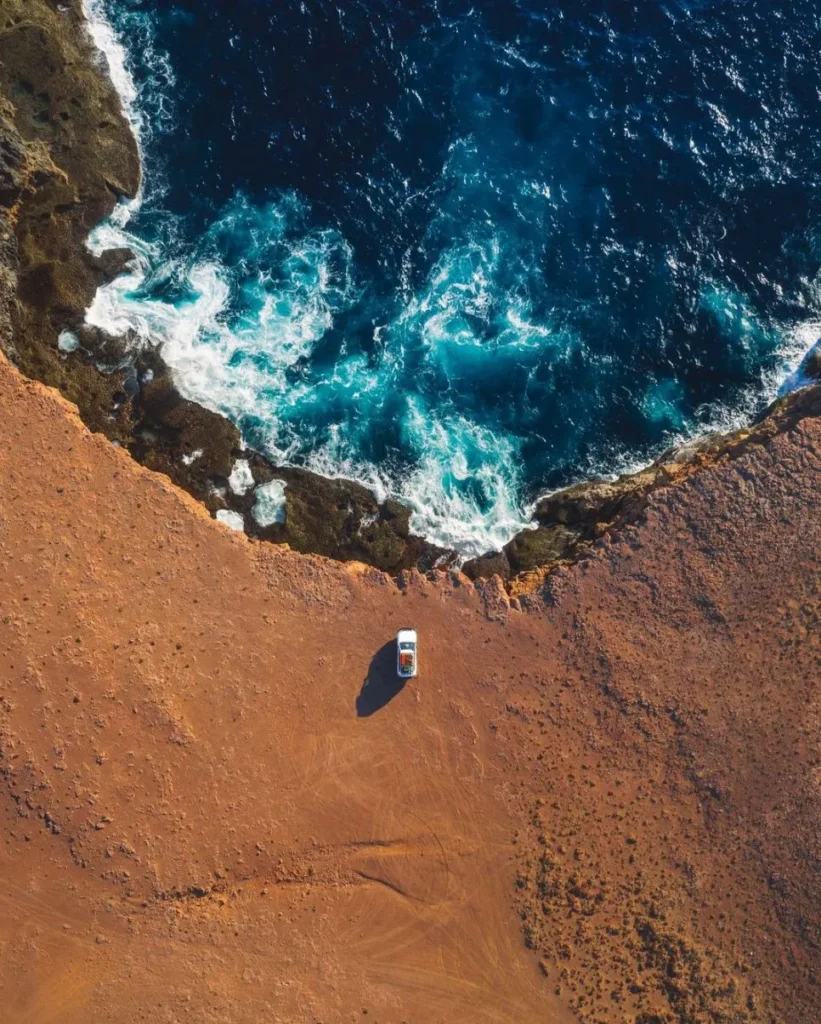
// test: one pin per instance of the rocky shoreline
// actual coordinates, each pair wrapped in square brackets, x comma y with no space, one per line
[67,156]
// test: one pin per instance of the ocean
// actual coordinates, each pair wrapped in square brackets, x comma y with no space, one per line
[470,252]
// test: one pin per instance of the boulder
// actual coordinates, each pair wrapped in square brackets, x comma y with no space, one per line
[812,365]
[493,563]
[532,549]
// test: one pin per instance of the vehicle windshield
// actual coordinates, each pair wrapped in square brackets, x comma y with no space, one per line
[406,646]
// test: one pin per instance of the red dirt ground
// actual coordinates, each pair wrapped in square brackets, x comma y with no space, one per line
[605,808]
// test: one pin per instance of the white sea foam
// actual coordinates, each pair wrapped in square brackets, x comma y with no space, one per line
[241,479]
[464,488]
[795,341]
[68,342]
[465,288]
[233,520]
[269,505]
[464,491]
[113,52]
[796,344]
[228,366]
[108,43]
[120,308]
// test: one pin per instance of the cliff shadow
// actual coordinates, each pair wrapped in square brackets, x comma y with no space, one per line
[381,684]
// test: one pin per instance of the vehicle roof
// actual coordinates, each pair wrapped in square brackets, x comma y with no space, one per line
[406,634]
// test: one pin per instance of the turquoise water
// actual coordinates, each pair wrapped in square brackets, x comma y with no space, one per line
[470,252]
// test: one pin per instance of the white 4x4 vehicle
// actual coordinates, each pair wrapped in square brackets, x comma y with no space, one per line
[407,664]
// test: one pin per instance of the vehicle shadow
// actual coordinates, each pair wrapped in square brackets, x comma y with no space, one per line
[382,683]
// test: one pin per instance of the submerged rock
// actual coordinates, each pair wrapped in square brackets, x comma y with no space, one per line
[812,366]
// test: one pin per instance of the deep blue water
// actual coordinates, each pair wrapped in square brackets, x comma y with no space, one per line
[471,251]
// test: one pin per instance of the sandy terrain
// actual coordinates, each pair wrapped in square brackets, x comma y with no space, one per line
[217,805]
